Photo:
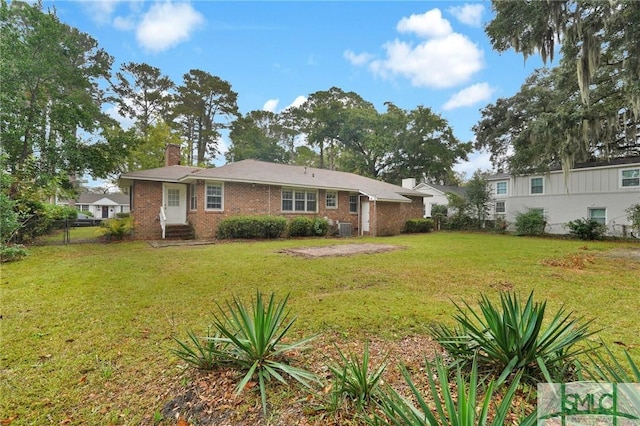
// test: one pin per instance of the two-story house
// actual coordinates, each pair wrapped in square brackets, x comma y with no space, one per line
[601,191]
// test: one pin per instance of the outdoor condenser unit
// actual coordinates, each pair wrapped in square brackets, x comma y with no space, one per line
[344,229]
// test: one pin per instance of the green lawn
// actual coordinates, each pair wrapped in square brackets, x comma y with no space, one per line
[86,328]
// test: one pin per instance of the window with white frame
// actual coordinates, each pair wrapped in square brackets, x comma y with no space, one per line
[331,201]
[630,178]
[84,208]
[501,188]
[213,196]
[299,200]
[173,197]
[501,207]
[598,215]
[353,203]
[537,185]
[193,197]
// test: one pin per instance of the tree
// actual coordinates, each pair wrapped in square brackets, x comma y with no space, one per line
[204,105]
[51,101]
[322,117]
[599,71]
[478,196]
[142,94]
[425,148]
[253,136]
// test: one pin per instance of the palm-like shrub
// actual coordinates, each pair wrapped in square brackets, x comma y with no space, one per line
[116,229]
[354,379]
[459,410]
[255,337]
[512,337]
[205,353]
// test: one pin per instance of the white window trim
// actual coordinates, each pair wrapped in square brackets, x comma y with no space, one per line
[620,178]
[506,193]
[357,203]
[293,205]
[495,209]
[326,197]
[590,209]
[193,194]
[204,201]
[543,186]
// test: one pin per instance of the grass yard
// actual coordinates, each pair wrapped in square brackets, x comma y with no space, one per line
[86,328]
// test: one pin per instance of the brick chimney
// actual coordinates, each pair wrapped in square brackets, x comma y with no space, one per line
[172,155]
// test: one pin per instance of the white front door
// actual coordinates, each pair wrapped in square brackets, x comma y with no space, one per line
[364,212]
[174,201]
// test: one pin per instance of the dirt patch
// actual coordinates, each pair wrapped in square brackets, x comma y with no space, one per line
[341,250]
[629,253]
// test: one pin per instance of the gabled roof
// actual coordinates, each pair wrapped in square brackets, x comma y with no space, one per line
[253,171]
[101,199]
[459,190]
[162,174]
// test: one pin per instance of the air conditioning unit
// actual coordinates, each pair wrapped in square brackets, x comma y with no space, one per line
[344,229]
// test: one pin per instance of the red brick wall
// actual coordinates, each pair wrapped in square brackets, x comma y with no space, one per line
[390,217]
[255,199]
[147,199]
[172,155]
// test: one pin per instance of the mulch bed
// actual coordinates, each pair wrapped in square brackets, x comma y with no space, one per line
[209,396]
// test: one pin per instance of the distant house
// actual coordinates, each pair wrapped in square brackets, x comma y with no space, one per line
[101,206]
[202,197]
[436,195]
[598,190]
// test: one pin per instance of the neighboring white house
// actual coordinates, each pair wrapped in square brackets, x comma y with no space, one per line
[435,194]
[600,190]
[101,206]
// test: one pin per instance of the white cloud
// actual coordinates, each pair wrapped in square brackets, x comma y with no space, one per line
[124,23]
[166,25]
[477,160]
[427,25]
[125,122]
[297,102]
[469,14]
[271,105]
[357,59]
[445,59]
[469,96]
[438,63]
[100,11]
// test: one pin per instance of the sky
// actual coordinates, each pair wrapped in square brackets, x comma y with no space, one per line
[276,53]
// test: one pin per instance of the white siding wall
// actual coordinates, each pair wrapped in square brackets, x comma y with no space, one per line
[570,198]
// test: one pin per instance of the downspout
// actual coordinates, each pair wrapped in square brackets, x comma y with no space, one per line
[269,203]
[375,209]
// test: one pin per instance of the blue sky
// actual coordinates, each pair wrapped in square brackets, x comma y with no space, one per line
[274,54]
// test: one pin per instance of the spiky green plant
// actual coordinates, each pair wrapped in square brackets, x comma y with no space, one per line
[353,378]
[459,410]
[512,337]
[205,353]
[255,336]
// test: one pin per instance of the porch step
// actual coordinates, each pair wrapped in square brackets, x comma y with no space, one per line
[179,232]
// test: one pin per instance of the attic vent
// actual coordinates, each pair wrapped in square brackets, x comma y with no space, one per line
[344,229]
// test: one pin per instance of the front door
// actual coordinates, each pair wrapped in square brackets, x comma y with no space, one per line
[105,212]
[174,201]
[364,212]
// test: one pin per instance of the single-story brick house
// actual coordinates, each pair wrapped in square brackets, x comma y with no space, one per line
[202,197]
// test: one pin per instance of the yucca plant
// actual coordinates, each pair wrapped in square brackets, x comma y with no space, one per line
[512,337]
[353,378]
[205,353]
[459,410]
[607,368]
[255,336]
